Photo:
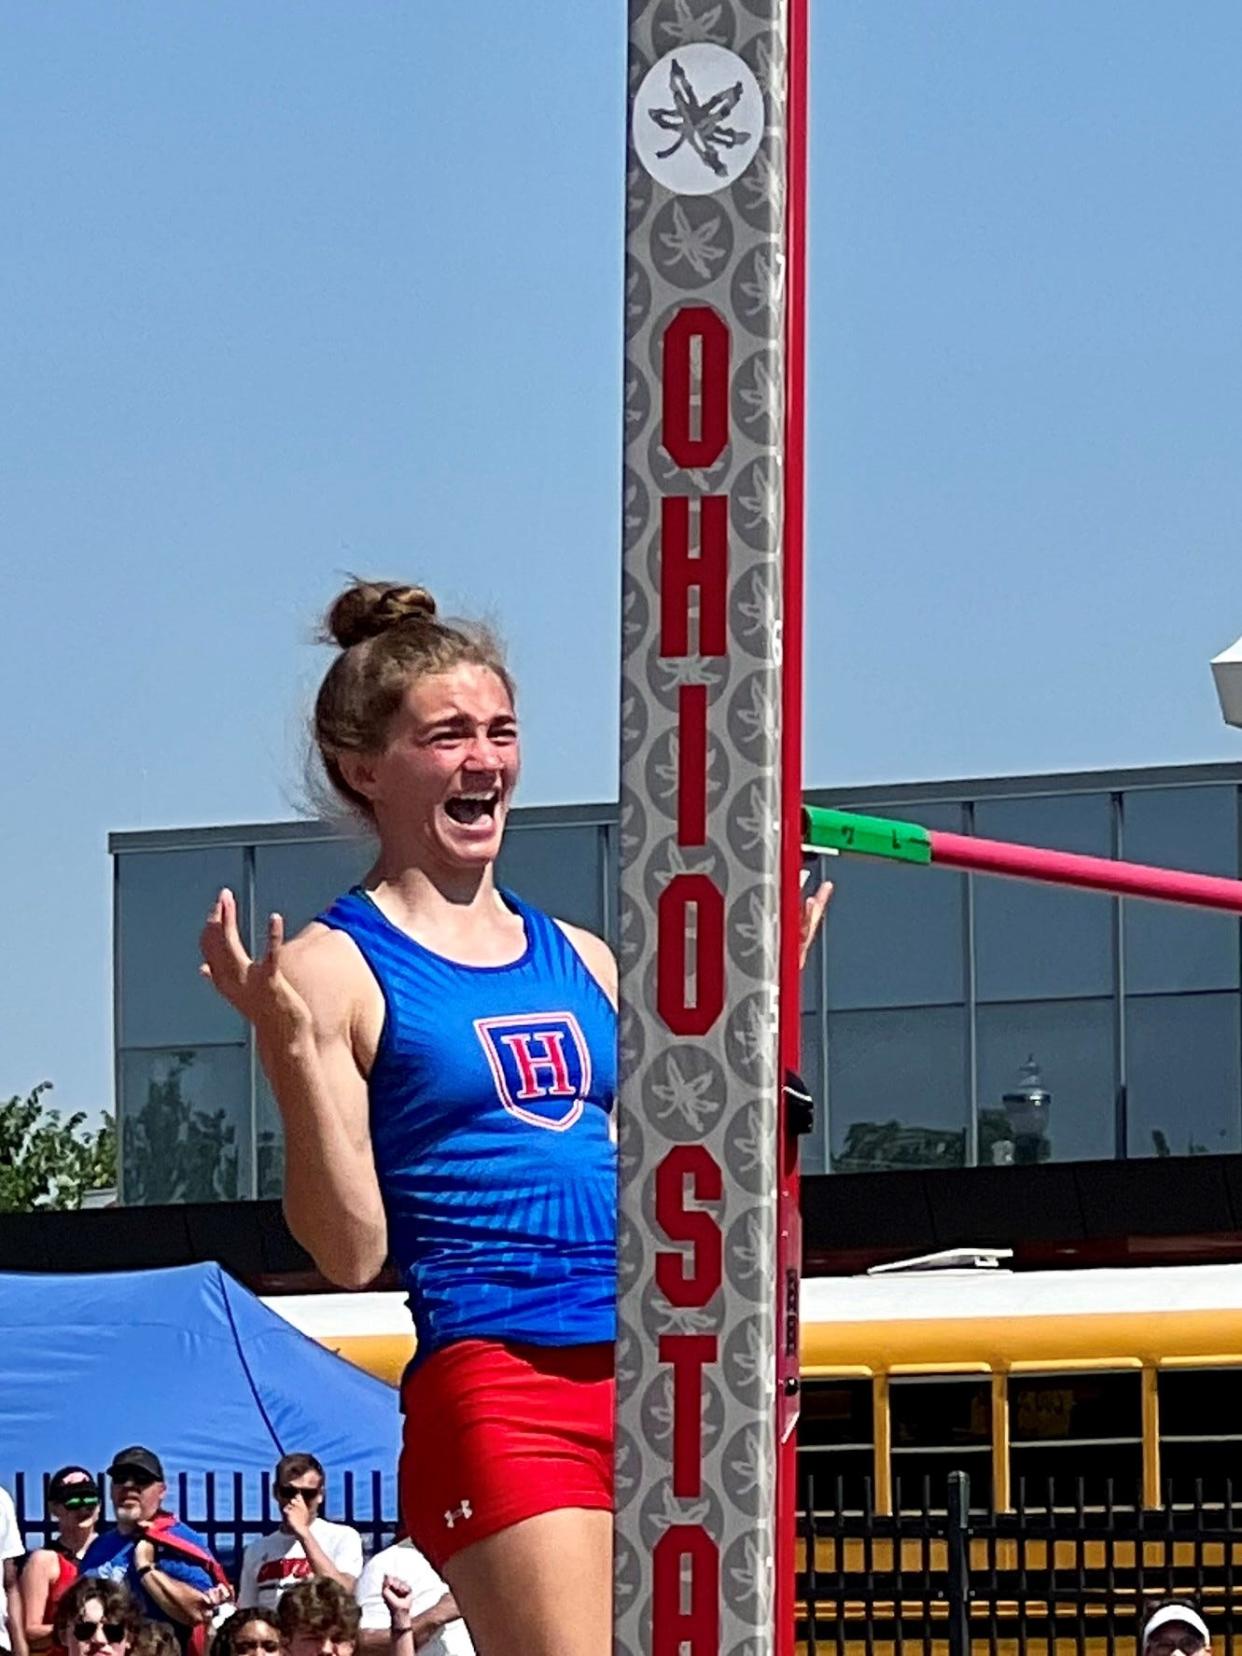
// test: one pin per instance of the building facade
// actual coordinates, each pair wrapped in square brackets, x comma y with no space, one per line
[949,1020]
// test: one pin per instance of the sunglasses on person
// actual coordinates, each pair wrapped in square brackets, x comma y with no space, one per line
[133,1478]
[74,1502]
[84,1631]
[244,1647]
[288,1491]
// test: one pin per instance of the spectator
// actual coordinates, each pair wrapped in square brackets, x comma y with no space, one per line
[49,1572]
[425,1605]
[247,1632]
[12,1623]
[156,1639]
[304,1545]
[96,1618]
[317,1618]
[1176,1626]
[165,1564]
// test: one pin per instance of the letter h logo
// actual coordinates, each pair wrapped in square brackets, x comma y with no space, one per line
[541,1065]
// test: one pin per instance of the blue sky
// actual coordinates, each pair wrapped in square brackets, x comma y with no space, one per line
[298,288]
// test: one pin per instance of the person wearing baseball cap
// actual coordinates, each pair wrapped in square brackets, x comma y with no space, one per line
[166,1565]
[49,1572]
[1175,1628]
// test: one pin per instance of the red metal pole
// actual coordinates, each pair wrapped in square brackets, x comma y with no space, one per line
[789,1219]
[1069,868]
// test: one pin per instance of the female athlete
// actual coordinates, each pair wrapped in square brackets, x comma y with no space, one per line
[444,1060]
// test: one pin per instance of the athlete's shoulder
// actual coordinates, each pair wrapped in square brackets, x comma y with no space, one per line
[319,950]
[328,970]
[596,956]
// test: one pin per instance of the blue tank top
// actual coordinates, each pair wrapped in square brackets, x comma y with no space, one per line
[490,1097]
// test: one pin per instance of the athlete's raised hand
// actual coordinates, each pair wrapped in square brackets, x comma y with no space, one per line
[258,989]
[813,909]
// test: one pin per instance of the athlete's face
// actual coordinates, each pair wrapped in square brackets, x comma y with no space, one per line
[451,765]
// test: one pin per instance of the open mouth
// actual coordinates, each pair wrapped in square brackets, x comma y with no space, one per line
[469,809]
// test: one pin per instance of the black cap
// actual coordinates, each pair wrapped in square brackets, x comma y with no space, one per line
[73,1486]
[137,1459]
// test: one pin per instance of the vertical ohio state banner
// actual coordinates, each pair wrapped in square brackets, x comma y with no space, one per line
[700,832]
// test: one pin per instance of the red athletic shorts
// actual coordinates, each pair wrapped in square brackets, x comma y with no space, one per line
[495,1433]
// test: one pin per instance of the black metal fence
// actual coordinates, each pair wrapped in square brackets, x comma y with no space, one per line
[1055,1577]
[1052,1578]
[229,1509]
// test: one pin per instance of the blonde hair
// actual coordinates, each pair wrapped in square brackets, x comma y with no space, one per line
[389,636]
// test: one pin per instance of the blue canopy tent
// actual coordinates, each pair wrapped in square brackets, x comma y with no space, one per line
[190,1363]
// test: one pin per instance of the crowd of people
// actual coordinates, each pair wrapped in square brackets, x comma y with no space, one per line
[149,1585]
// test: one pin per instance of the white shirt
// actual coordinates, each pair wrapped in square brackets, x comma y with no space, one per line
[10,1547]
[405,1561]
[278,1561]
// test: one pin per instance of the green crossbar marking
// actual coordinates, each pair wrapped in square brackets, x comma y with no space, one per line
[870,836]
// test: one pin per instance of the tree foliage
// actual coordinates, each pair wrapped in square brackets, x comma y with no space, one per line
[48,1160]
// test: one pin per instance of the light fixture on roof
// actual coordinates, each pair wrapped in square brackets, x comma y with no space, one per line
[948,1259]
[1028,1107]
[1227,671]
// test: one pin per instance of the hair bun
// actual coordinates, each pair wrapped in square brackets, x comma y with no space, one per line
[368,608]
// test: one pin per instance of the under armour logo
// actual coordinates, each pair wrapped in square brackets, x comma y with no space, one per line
[465,1510]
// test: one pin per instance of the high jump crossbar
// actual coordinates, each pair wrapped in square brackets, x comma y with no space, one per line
[829,830]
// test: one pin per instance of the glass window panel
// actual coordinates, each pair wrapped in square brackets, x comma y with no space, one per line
[835,1412]
[185,1125]
[895,935]
[610,851]
[835,1480]
[1071,1046]
[1170,948]
[1060,1474]
[1064,1407]
[164,897]
[897,1090]
[1201,1403]
[1213,1467]
[300,878]
[557,869]
[921,1479]
[269,1140]
[938,1414]
[1037,941]
[814,1153]
[1183,1075]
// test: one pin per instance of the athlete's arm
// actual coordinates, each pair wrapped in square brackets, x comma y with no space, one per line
[331,1196]
[302,999]
[596,956]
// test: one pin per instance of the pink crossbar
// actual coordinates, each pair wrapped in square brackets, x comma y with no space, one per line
[1068,868]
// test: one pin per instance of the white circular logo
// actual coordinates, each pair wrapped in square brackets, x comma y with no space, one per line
[698,119]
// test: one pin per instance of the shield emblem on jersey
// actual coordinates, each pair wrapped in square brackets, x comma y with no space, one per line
[541,1065]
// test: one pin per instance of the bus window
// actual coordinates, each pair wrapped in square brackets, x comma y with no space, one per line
[835,1436]
[940,1425]
[1076,1433]
[1200,1434]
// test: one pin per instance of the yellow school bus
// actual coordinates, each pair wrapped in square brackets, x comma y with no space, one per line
[1080,1397]
[1127,1383]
